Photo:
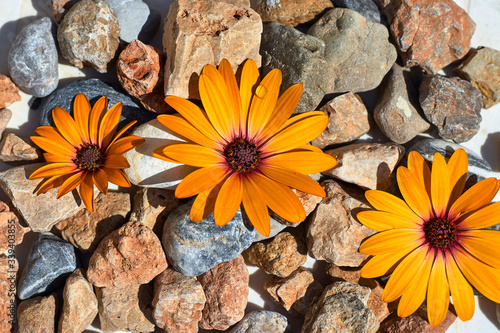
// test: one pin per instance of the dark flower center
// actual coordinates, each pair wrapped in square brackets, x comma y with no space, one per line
[440,233]
[242,155]
[89,158]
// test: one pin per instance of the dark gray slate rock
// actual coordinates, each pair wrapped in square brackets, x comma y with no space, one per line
[367,8]
[50,261]
[93,89]
[262,321]
[300,58]
[33,58]
[195,247]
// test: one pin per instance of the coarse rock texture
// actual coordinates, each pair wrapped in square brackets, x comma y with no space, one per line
[9,93]
[5,116]
[152,207]
[348,121]
[15,150]
[50,261]
[341,308]
[119,259]
[291,12]
[482,69]
[140,71]
[61,7]
[396,111]
[8,274]
[358,51]
[37,315]
[42,211]
[368,165]
[430,34]
[226,291]
[280,256]
[262,321]
[148,171]
[334,234]
[33,59]
[367,8]
[300,58]
[79,306]
[89,35]
[195,247]
[11,232]
[203,32]
[86,229]
[451,104]
[415,323]
[178,302]
[296,292]
[125,308]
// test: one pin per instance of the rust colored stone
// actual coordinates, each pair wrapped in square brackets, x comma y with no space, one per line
[415,323]
[292,12]
[8,274]
[11,232]
[9,92]
[36,315]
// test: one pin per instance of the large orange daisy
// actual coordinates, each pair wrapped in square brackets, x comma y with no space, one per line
[432,238]
[247,150]
[84,151]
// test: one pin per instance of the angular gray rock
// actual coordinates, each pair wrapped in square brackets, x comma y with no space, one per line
[195,247]
[33,58]
[367,8]
[50,261]
[262,321]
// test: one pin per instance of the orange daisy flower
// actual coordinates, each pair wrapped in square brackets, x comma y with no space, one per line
[85,150]
[432,238]
[247,149]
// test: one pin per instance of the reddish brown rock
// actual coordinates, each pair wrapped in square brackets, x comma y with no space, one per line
[415,323]
[9,92]
[5,116]
[8,273]
[291,12]
[15,149]
[60,7]
[178,302]
[280,256]
[86,229]
[430,34]
[36,315]
[296,292]
[226,291]
[11,232]
[119,259]
[348,121]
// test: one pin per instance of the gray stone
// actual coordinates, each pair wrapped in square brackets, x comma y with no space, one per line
[33,58]
[137,20]
[195,247]
[93,89]
[301,60]
[50,261]
[357,50]
[396,111]
[367,8]
[262,321]
[453,105]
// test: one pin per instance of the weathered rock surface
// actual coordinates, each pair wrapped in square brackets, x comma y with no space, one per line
[291,12]
[89,35]
[8,273]
[451,104]
[11,232]
[37,315]
[226,291]
[261,321]
[178,302]
[367,8]
[9,93]
[5,116]
[61,7]
[15,150]
[417,322]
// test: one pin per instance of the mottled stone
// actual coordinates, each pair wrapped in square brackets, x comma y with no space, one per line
[11,232]
[195,247]
[37,315]
[40,212]
[203,32]
[125,308]
[291,12]
[152,207]
[79,304]
[280,256]
[226,291]
[89,35]
[5,116]
[368,165]
[416,323]
[9,93]
[451,104]
[348,121]
[367,8]
[8,273]
[296,292]
[61,7]
[300,58]
[86,229]
[357,50]
[396,112]
[178,302]
[341,308]
[261,321]
[15,150]
[50,261]
[334,234]
[119,259]
[33,58]
[482,69]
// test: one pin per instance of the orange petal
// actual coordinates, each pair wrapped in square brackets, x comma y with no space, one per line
[66,126]
[440,185]
[461,291]
[480,243]
[478,196]
[116,162]
[308,147]
[81,112]
[158,153]
[249,81]
[61,148]
[457,167]
[117,177]
[204,204]
[95,118]
[53,169]
[108,124]
[51,158]
[418,166]
[293,179]
[71,183]
[194,155]
[390,203]
[201,180]
[380,221]
[229,200]
[255,208]
[391,240]
[381,264]
[303,162]
[414,193]
[483,218]
[123,130]
[50,183]
[125,144]
[233,96]
[438,292]
[87,192]
[100,180]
